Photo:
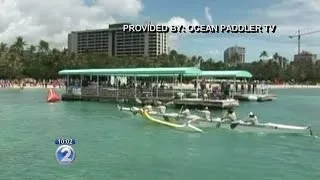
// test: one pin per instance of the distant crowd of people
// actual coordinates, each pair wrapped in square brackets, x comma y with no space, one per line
[227,89]
[31,83]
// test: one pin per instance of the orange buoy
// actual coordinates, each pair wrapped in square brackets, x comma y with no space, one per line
[52,96]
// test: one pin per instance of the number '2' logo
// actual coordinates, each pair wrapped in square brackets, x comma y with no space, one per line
[65,155]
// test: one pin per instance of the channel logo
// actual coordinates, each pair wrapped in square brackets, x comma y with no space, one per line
[65,155]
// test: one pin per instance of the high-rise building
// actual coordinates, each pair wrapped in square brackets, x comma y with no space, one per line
[305,55]
[116,42]
[235,55]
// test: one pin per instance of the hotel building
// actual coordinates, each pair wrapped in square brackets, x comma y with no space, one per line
[116,42]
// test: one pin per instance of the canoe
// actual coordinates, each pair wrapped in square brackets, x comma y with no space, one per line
[133,110]
[269,128]
[184,127]
[171,117]
[204,123]
[248,127]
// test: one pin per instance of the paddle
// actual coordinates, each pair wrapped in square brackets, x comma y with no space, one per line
[166,118]
[181,109]
[218,124]
[193,127]
[234,125]
[310,130]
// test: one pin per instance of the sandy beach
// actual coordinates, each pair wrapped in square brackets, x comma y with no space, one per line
[34,87]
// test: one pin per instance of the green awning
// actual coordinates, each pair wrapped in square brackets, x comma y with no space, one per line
[134,71]
[225,74]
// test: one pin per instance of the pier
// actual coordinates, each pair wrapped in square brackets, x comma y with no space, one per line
[142,86]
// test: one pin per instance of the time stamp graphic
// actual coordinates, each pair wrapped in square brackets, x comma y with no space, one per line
[65,154]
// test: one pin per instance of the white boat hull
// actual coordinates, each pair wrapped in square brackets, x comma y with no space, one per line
[268,128]
[261,128]
[241,126]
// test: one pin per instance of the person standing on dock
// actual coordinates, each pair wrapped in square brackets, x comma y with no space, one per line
[249,88]
[242,87]
[254,88]
[203,87]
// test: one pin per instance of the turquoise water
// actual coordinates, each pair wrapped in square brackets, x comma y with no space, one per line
[116,145]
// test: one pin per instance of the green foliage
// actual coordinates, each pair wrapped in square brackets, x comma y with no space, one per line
[43,62]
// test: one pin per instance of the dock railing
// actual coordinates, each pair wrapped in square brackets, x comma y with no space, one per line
[125,93]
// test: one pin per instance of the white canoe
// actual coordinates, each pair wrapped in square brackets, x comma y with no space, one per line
[269,128]
[248,127]
[128,109]
[165,116]
[260,128]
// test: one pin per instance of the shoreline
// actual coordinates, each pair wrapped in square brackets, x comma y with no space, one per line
[269,87]
[34,87]
[293,86]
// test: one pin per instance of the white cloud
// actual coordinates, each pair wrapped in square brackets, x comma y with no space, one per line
[52,20]
[178,21]
[291,15]
[208,14]
[214,52]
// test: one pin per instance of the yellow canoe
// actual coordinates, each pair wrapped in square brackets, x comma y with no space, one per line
[186,126]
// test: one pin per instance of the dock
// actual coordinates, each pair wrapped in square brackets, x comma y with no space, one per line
[147,86]
[201,103]
[255,97]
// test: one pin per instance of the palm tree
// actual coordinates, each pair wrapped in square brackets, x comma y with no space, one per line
[43,46]
[18,46]
[32,49]
[199,61]
[263,55]
[276,56]
[3,49]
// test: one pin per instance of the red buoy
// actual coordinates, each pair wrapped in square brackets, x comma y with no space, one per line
[52,96]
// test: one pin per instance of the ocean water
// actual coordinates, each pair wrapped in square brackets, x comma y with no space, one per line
[116,145]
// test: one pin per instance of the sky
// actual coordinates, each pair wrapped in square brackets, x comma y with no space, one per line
[52,20]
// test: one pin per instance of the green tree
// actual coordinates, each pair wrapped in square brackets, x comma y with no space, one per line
[263,56]
[42,62]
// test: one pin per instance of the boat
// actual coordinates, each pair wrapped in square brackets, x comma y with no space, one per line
[171,117]
[185,127]
[255,97]
[268,128]
[248,127]
[133,109]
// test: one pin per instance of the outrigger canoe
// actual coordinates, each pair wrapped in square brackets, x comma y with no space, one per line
[269,128]
[184,127]
[171,117]
[175,118]
[259,128]
[163,119]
